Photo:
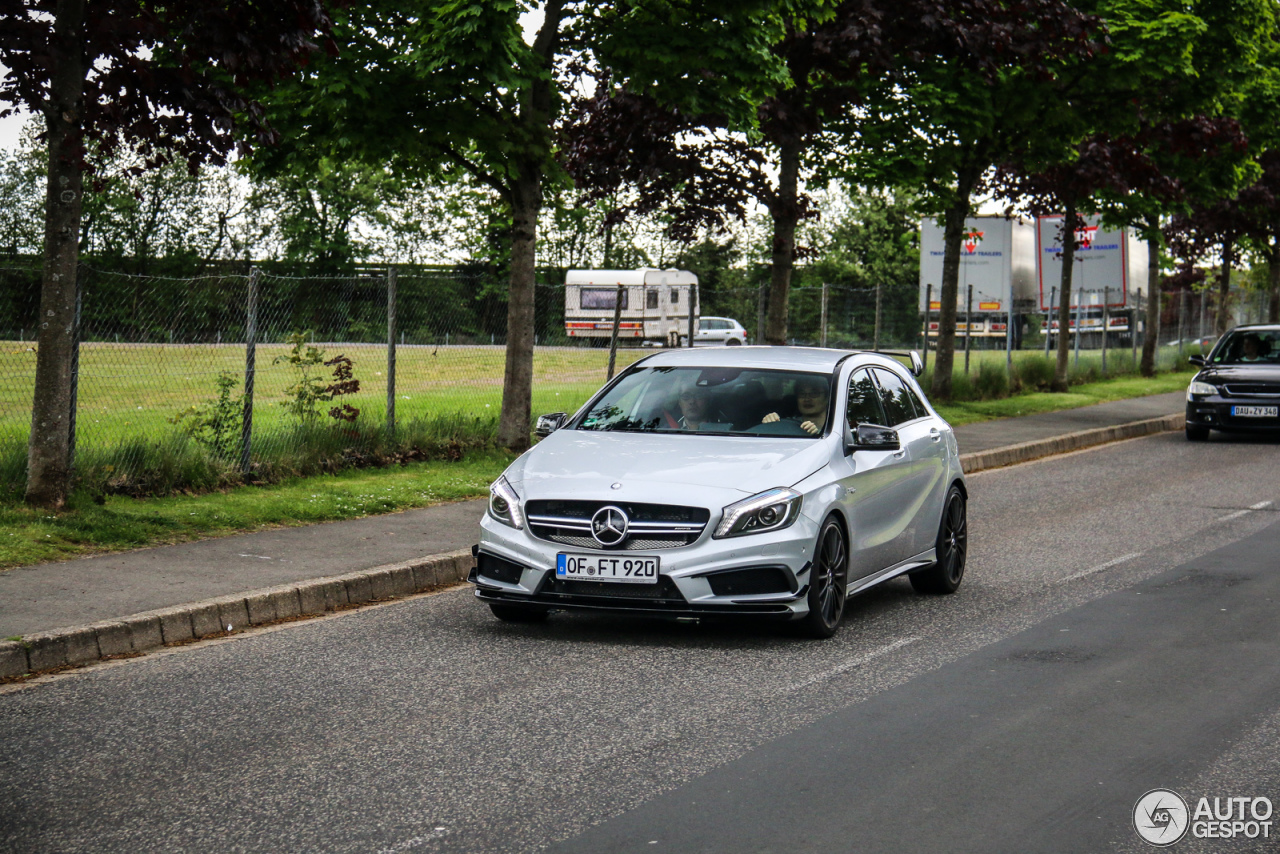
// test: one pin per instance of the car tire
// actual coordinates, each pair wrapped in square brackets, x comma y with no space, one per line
[509,613]
[952,546]
[1197,433]
[733,342]
[828,581]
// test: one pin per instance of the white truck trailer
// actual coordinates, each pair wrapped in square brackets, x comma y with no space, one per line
[1015,267]
[1110,270]
[655,304]
[997,258]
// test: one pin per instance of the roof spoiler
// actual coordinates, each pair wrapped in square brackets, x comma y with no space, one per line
[912,356]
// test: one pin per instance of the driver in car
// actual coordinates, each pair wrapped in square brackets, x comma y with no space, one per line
[811,401]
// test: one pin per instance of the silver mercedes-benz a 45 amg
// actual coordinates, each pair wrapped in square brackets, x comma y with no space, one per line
[753,481]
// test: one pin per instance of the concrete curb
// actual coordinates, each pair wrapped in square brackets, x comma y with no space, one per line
[1027,451]
[227,614]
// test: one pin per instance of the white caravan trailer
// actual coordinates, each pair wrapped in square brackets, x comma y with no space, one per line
[655,304]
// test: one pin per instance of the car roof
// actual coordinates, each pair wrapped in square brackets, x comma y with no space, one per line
[819,359]
[1255,327]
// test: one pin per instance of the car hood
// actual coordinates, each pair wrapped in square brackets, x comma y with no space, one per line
[1257,373]
[662,467]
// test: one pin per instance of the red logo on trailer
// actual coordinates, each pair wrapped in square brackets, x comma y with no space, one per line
[972,238]
[1085,236]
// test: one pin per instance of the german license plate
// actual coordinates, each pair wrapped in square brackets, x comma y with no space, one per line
[631,569]
[1255,411]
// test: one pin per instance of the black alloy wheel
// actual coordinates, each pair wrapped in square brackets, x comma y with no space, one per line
[1196,433]
[510,613]
[828,581]
[952,548]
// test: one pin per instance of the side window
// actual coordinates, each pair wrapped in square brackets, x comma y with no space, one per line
[895,398]
[864,401]
[921,409]
[651,299]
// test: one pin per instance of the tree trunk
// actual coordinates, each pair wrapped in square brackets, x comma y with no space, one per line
[1064,304]
[1149,342]
[785,213]
[517,381]
[1224,285]
[49,449]
[948,296]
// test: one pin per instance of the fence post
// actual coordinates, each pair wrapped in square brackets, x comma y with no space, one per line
[928,301]
[250,358]
[760,309]
[1133,330]
[75,371]
[875,344]
[1182,325]
[968,329]
[1106,325]
[823,336]
[1079,325]
[1048,319]
[613,336]
[391,353]
[693,302]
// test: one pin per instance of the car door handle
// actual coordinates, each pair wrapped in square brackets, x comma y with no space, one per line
[935,434]
[897,455]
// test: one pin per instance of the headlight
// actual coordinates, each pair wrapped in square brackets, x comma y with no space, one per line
[1198,387]
[771,510]
[504,504]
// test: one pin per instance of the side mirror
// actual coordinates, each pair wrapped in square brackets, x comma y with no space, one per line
[1197,360]
[873,437]
[548,424]
[917,366]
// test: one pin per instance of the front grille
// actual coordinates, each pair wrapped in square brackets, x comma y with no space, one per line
[650,526]
[665,590]
[1252,389]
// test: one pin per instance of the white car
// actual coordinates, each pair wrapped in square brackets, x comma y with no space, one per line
[756,481]
[719,330]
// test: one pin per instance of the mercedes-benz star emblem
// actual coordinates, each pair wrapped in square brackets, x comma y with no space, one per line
[609,526]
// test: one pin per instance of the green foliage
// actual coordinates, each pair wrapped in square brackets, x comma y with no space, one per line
[216,424]
[309,388]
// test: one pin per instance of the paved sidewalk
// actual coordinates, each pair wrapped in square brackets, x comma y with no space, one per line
[43,598]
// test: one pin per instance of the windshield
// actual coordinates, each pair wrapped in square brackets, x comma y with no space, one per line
[715,401]
[1245,347]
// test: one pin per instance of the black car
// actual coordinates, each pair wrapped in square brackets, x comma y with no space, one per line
[1238,387]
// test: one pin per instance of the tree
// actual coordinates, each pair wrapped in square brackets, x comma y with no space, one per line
[472,96]
[167,79]
[940,127]
[1156,127]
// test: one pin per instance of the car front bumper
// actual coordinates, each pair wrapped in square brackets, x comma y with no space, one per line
[697,580]
[1215,413]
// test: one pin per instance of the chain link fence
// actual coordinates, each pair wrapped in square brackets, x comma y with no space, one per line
[339,371]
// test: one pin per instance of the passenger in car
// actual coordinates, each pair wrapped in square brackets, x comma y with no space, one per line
[811,406]
[695,409]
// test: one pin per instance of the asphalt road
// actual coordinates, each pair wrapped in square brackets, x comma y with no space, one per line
[1116,633]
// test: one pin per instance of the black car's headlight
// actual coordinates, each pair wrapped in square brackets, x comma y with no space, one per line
[771,510]
[504,504]
[1199,388]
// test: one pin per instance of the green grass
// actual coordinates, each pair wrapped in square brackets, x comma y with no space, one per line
[28,536]
[1087,394]
[128,393]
